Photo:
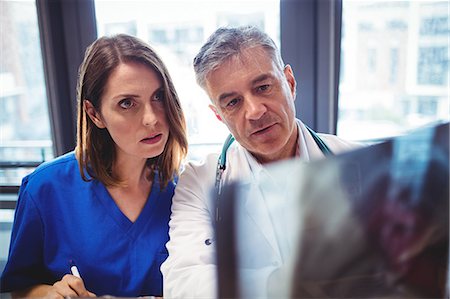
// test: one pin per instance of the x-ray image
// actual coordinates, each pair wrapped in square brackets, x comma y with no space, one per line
[369,223]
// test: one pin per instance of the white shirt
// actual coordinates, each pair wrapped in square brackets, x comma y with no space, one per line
[190,270]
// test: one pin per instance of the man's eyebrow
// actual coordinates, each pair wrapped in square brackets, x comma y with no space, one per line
[261,78]
[226,95]
[257,80]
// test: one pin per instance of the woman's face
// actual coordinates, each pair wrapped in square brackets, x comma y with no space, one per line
[132,110]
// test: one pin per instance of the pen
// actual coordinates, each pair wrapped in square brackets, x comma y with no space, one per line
[74,271]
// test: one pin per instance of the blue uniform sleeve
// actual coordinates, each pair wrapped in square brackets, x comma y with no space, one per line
[25,266]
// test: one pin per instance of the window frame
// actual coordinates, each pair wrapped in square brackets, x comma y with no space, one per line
[66,28]
[311,43]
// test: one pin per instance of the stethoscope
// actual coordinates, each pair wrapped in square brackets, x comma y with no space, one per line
[221,163]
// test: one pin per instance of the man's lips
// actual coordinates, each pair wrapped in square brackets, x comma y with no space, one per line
[152,139]
[263,130]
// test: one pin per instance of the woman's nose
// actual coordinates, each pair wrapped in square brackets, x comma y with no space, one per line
[149,116]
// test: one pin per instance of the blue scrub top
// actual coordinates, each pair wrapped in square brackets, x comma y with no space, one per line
[61,219]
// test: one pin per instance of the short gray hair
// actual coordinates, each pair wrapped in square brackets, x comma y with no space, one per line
[226,42]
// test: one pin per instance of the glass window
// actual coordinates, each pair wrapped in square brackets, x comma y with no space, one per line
[25,136]
[427,105]
[393,66]
[24,119]
[177,29]
[432,66]
[395,58]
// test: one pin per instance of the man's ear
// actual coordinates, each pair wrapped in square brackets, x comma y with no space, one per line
[214,109]
[289,74]
[93,114]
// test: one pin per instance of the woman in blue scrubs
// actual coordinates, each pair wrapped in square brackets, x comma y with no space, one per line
[104,207]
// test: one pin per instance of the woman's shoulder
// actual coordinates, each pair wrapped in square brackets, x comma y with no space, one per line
[164,189]
[54,170]
[57,163]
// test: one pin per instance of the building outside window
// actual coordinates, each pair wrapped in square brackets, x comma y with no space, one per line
[395,59]
[393,65]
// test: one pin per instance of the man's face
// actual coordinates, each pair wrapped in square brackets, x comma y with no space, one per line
[256,101]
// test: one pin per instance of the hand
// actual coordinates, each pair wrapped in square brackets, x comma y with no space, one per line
[69,286]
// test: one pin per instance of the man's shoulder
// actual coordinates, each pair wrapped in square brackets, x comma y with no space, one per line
[206,162]
[337,144]
[210,161]
[199,171]
[204,171]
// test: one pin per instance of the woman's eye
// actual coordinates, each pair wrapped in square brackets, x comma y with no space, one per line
[126,103]
[159,96]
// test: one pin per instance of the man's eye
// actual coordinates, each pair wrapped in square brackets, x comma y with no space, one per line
[264,87]
[126,103]
[233,102]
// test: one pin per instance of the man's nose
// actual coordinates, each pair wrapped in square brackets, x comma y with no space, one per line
[255,108]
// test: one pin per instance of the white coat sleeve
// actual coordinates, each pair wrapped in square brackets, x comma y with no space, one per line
[190,269]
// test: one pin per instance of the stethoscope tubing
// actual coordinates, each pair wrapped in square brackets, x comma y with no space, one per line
[221,163]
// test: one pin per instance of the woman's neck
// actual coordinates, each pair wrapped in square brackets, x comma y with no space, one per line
[132,195]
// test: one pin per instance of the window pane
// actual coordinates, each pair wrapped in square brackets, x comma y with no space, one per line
[394,67]
[24,121]
[177,30]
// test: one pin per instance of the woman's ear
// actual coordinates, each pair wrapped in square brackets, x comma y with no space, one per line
[93,114]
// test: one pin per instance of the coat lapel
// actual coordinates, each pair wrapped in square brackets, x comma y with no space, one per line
[243,168]
[257,211]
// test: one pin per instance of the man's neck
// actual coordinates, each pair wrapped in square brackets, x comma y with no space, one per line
[290,150]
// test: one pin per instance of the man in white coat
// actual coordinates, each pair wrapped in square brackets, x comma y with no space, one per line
[253,92]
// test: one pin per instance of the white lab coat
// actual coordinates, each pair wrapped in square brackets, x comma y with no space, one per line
[190,269]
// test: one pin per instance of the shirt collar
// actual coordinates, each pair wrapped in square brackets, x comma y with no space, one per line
[302,149]
[258,170]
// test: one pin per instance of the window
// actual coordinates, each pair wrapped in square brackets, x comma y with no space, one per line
[427,105]
[432,66]
[24,120]
[394,55]
[434,26]
[393,66]
[177,35]
[397,25]
[25,137]
[372,60]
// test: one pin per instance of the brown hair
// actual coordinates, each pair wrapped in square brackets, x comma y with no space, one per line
[95,149]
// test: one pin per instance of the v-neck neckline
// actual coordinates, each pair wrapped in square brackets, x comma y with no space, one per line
[119,217]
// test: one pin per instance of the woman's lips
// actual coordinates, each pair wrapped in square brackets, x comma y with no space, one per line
[151,140]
